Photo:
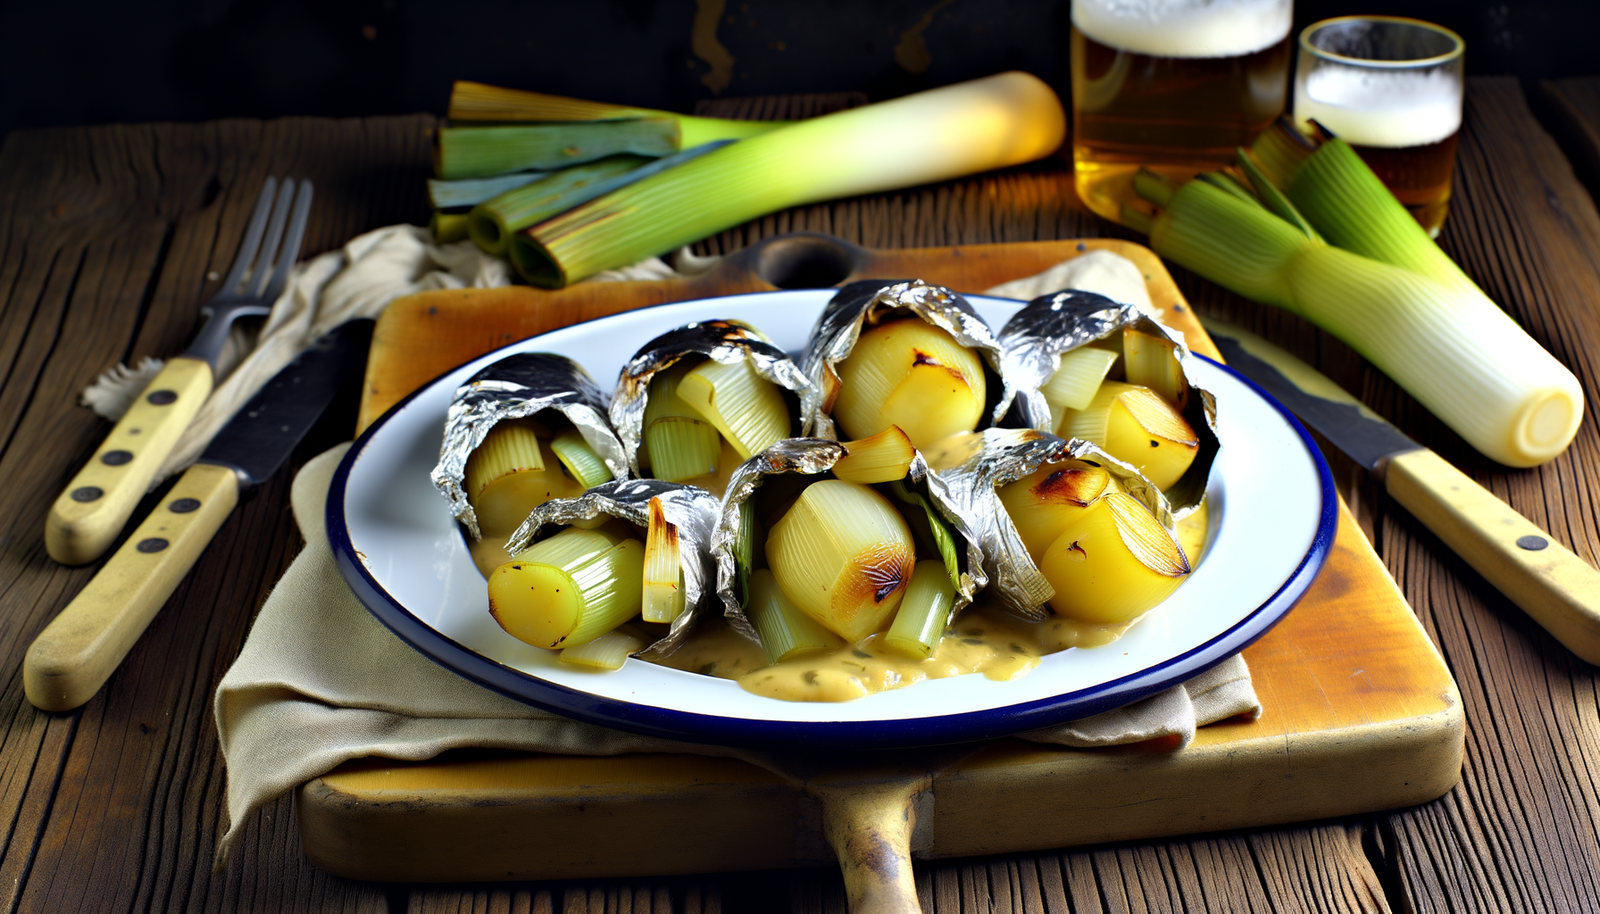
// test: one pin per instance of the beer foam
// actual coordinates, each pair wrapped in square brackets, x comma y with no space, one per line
[1185,28]
[1387,108]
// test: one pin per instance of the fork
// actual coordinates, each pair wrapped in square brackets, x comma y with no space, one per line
[89,514]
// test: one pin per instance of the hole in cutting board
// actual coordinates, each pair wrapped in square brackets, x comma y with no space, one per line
[804,263]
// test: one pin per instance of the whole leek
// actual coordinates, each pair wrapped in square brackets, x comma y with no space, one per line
[930,136]
[1418,320]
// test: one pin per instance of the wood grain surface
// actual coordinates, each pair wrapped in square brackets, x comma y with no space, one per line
[106,239]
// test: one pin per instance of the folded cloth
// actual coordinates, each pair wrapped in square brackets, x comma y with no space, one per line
[320,681]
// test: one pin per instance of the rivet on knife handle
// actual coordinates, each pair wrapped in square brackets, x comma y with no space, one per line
[1559,590]
[78,651]
[89,514]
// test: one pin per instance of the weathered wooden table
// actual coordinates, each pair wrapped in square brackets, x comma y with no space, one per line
[107,237]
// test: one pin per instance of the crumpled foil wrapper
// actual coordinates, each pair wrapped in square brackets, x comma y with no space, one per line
[691,509]
[814,456]
[726,341]
[512,388]
[1034,340]
[865,303]
[972,467]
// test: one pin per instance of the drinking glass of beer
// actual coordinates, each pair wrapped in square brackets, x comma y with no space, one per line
[1391,88]
[1175,86]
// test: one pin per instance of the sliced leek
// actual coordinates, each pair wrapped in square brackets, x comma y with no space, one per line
[569,589]
[911,374]
[1078,377]
[663,597]
[448,227]
[678,443]
[1153,362]
[608,652]
[747,409]
[883,457]
[507,476]
[580,461]
[1135,425]
[924,612]
[844,555]
[929,136]
[785,631]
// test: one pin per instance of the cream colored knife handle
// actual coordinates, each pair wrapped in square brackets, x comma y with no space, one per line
[87,517]
[80,649]
[1559,590]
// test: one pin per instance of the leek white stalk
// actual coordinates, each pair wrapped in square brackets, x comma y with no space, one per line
[844,555]
[911,374]
[930,136]
[924,612]
[663,598]
[883,457]
[608,652]
[580,461]
[1446,343]
[569,589]
[748,410]
[785,631]
[678,444]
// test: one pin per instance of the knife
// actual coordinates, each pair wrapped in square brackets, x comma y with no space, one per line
[80,649]
[1559,590]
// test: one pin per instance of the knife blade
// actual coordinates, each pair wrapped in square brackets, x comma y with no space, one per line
[1550,583]
[80,649]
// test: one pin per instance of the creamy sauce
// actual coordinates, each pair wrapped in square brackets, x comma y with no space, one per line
[985,639]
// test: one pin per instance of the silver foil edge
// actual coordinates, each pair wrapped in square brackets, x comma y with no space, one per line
[691,509]
[515,387]
[726,341]
[867,302]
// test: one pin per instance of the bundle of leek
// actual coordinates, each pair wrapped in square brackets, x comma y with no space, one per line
[503,139]
[1335,247]
[935,135]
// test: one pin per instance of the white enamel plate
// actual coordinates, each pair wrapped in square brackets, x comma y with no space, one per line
[1272,505]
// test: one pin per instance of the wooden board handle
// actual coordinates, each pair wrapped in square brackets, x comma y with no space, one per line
[92,510]
[1551,584]
[869,827]
[80,649]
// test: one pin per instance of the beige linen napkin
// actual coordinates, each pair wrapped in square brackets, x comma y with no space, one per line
[320,681]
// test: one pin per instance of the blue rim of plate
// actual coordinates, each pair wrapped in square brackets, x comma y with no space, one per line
[987,723]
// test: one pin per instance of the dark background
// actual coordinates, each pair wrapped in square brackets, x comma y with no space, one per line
[99,62]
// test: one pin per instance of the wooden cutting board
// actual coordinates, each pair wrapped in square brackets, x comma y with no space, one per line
[1361,712]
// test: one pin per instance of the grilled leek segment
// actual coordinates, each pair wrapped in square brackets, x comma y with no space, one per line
[785,631]
[508,476]
[1077,378]
[1137,426]
[663,598]
[911,374]
[570,589]
[924,612]
[1152,362]
[747,409]
[883,457]
[678,443]
[843,555]
[1043,503]
[1112,562]
[606,653]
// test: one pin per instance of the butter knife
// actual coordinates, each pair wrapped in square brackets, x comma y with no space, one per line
[80,649]
[1550,583]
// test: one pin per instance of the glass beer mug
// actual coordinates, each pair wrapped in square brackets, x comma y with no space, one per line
[1392,89]
[1175,86]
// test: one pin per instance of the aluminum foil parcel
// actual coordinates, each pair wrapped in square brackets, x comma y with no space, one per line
[515,387]
[691,509]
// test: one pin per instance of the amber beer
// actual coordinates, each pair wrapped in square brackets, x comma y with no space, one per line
[1392,89]
[1175,87]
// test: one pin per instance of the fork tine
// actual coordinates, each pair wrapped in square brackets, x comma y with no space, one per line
[261,273]
[252,239]
[290,251]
